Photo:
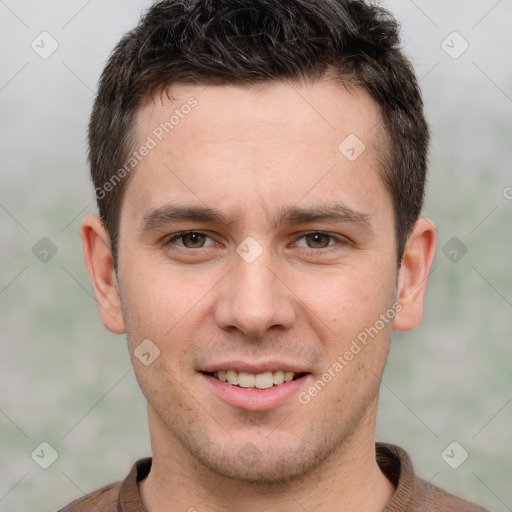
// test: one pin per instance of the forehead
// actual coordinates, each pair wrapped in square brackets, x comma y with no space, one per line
[259,111]
[258,146]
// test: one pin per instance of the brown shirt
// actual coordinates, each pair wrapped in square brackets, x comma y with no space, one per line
[412,493]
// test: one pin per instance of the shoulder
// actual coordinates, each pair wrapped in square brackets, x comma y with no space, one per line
[102,500]
[120,496]
[413,494]
[428,497]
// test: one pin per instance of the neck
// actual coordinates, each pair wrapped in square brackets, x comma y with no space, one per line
[349,479]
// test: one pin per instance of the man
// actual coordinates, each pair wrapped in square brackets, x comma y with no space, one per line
[259,168]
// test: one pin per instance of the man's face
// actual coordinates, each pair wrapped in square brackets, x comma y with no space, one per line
[267,282]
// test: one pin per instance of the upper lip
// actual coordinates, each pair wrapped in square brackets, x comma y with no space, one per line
[255,368]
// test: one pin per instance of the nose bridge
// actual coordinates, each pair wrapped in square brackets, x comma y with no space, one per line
[252,298]
[254,277]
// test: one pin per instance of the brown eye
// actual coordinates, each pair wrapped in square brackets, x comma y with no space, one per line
[193,240]
[318,240]
[189,240]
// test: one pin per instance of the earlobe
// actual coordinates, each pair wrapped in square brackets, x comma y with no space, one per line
[413,275]
[100,265]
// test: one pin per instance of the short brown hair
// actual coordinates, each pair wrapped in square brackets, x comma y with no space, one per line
[244,42]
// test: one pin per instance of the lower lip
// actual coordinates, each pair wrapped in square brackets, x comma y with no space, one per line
[256,399]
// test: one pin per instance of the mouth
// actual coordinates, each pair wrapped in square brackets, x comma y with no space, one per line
[259,381]
[256,386]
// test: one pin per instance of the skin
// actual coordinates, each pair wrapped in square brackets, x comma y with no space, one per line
[252,153]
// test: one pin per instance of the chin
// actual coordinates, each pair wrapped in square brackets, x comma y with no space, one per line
[262,463]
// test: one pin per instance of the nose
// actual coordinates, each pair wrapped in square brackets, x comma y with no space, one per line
[254,297]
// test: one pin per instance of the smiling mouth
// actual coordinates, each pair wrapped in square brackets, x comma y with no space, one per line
[247,380]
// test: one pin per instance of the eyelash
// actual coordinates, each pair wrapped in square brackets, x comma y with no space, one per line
[339,240]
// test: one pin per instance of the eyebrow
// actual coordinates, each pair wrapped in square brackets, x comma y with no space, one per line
[336,213]
[161,217]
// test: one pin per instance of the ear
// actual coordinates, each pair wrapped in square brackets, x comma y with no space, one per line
[100,265]
[413,274]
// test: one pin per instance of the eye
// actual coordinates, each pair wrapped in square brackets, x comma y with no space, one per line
[189,239]
[318,240]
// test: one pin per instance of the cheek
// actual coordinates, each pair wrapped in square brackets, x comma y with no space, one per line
[344,302]
[163,303]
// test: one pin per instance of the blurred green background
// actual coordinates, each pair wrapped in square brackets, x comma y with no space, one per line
[65,380]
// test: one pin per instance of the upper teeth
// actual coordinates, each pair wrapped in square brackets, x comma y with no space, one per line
[249,380]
